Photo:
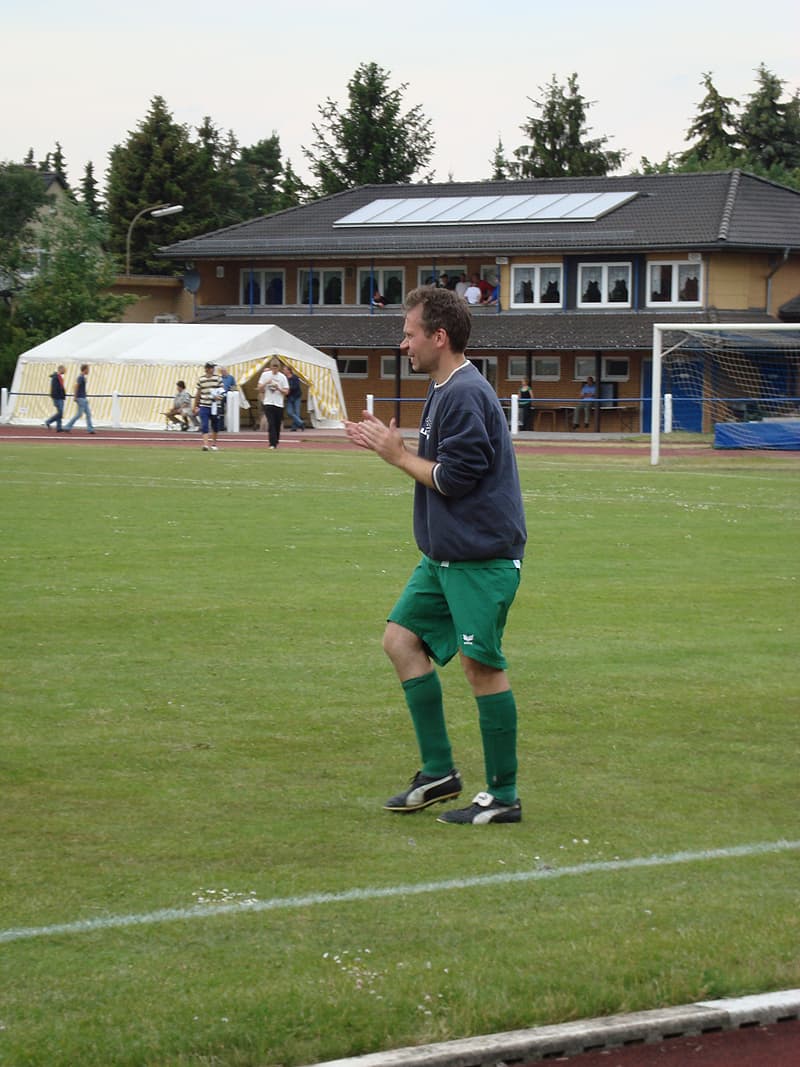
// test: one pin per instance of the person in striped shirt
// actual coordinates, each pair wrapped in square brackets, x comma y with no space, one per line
[207,405]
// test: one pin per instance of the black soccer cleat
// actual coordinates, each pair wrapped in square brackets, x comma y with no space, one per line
[424,791]
[484,809]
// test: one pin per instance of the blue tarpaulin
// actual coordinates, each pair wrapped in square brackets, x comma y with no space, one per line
[784,436]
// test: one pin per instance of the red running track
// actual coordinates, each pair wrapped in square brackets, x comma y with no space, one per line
[771,1045]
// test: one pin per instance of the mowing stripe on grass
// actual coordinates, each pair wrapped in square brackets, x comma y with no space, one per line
[203,911]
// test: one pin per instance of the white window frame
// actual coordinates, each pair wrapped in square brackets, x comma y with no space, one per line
[675,298]
[584,367]
[537,302]
[260,273]
[608,376]
[379,274]
[513,363]
[343,366]
[406,371]
[539,373]
[319,272]
[604,301]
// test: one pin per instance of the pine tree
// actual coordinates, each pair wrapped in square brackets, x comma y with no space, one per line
[158,164]
[217,195]
[713,128]
[258,172]
[768,129]
[89,191]
[371,140]
[500,165]
[58,165]
[559,142]
[293,189]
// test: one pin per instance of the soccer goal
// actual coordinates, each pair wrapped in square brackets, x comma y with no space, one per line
[739,381]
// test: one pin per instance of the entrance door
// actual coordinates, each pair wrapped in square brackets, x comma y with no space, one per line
[681,380]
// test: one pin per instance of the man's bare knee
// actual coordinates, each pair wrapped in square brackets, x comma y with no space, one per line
[482,678]
[406,651]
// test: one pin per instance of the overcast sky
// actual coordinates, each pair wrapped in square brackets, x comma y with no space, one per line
[83,73]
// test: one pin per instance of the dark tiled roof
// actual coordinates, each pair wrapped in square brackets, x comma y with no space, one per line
[790,311]
[570,331]
[727,209]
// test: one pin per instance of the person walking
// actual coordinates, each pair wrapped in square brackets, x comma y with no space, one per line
[272,388]
[294,399]
[82,400]
[469,524]
[207,405]
[58,394]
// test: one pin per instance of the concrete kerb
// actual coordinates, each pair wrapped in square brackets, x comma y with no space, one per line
[570,1039]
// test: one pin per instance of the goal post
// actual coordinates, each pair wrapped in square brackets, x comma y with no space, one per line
[714,376]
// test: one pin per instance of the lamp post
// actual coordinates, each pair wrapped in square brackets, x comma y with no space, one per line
[157,211]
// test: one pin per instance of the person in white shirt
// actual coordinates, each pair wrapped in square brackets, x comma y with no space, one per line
[473,294]
[273,387]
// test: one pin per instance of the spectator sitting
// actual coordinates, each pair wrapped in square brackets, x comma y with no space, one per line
[378,301]
[180,414]
[461,286]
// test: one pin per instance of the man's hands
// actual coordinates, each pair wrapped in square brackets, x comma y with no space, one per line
[387,442]
[375,435]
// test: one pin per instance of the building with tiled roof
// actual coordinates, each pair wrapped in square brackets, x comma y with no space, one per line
[585,266]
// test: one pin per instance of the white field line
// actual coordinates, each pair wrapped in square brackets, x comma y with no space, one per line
[203,911]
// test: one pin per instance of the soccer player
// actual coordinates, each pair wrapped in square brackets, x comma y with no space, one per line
[469,525]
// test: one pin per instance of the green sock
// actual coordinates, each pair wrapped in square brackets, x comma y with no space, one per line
[497,715]
[424,699]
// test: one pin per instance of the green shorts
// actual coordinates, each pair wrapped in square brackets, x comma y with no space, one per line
[459,607]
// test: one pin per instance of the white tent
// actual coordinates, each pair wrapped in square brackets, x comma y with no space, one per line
[134,368]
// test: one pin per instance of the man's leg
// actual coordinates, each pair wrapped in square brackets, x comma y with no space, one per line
[274,416]
[497,718]
[423,693]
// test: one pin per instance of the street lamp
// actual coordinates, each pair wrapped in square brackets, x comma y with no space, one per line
[157,211]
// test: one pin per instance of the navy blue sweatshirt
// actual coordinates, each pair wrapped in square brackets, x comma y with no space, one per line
[475,512]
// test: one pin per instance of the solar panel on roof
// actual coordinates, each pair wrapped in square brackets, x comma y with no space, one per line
[466,210]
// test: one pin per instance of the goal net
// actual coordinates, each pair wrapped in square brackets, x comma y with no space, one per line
[740,382]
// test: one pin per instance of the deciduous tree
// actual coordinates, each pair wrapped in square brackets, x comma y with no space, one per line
[70,285]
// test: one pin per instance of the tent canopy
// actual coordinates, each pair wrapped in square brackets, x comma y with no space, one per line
[134,368]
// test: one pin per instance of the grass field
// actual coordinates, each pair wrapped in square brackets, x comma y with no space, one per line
[197,713]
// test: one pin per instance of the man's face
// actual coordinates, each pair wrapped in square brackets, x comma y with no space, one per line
[424,351]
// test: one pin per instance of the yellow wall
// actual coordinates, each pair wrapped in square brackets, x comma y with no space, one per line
[156,296]
[741,281]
